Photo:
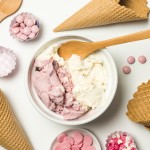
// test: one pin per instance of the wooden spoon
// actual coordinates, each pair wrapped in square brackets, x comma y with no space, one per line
[8,7]
[84,49]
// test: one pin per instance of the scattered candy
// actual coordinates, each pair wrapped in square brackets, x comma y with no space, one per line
[74,141]
[120,141]
[24,27]
[131,60]
[126,69]
[142,59]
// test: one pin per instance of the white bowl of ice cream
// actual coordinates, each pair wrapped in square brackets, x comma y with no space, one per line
[74,91]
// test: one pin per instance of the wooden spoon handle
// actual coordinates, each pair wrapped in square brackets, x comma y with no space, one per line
[122,39]
[2,16]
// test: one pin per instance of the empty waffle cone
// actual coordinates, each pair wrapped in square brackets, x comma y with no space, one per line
[12,136]
[103,12]
[139,106]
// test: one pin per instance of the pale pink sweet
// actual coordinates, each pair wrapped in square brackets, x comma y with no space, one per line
[21,30]
[19,19]
[23,37]
[69,139]
[15,30]
[75,147]
[142,59]
[35,29]
[22,25]
[29,22]
[65,145]
[57,146]
[88,140]
[61,137]
[78,137]
[131,60]
[15,25]
[7,61]
[120,141]
[126,69]
[32,35]
[27,30]
[92,148]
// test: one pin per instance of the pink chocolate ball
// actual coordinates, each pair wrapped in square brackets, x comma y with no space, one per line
[27,30]
[126,70]
[22,25]
[32,35]
[29,22]
[21,30]
[142,59]
[15,30]
[131,60]
[19,19]
[35,29]
[23,37]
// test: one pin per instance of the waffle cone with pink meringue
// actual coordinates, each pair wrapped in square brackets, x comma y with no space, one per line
[12,137]
[139,106]
[103,12]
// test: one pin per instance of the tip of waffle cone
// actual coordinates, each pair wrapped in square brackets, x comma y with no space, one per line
[12,136]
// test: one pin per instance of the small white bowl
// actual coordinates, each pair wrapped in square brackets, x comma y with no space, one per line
[92,114]
[69,132]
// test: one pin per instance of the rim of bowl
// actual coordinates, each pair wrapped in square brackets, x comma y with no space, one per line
[66,122]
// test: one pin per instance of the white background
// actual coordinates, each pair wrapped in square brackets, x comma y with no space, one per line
[41,131]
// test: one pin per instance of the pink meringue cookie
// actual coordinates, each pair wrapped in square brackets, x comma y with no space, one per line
[7,61]
[120,141]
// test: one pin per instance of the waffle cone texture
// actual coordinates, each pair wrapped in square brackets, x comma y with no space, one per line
[103,12]
[12,136]
[139,106]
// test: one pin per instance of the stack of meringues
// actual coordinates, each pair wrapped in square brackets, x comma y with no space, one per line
[103,12]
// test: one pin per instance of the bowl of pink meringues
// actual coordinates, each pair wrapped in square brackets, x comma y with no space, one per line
[74,91]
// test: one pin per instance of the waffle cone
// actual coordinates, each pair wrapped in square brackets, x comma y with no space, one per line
[12,136]
[139,106]
[103,12]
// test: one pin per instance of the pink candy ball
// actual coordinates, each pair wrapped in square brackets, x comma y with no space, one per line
[32,35]
[131,60]
[23,37]
[126,69]
[22,25]
[15,30]
[142,59]
[29,22]
[19,19]
[27,30]
[35,29]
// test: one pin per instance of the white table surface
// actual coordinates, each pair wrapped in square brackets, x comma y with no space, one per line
[41,131]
